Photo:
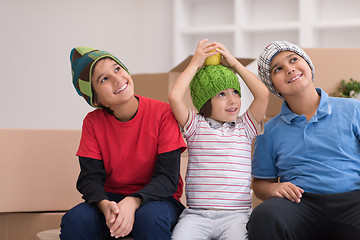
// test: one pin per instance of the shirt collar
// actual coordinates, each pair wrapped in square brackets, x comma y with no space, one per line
[215,124]
[324,108]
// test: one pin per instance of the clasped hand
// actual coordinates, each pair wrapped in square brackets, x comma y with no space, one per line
[120,216]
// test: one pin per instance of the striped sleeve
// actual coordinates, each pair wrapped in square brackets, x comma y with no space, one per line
[252,128]
[191,125]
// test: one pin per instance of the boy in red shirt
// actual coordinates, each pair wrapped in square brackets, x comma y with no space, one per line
[129,156]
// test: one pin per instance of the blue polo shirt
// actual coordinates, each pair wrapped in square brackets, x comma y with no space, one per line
[321,155]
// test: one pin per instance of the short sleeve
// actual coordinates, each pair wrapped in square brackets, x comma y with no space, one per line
[89,146]
[190,126]
[170,137]
[251,127]
[356,122]
[264,162]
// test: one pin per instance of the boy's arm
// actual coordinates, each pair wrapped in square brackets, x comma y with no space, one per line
[164,182]
[177,93]
[91,180]
[268,188]
[258,89]
[165,178]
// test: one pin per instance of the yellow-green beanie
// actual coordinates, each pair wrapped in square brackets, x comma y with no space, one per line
[209,81]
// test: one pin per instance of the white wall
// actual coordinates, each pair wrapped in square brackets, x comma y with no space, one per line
[36,38]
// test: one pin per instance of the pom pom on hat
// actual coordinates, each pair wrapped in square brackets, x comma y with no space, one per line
[209,81]
[82,61]
[268,54]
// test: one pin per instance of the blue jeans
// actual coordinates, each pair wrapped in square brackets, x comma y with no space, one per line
[153,220]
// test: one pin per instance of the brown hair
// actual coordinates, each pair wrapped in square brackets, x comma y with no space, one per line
[206,109]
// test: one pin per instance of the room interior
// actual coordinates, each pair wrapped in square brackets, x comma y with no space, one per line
[42,114]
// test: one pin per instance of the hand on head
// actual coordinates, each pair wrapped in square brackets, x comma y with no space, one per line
[228,59]
[204,50]
[207,49]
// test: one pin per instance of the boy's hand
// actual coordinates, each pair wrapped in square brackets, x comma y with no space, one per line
[228,59]
[287,190]
[203,51]
[110,210]
[125,217]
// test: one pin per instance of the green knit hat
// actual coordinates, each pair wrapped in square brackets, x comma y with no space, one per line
[209,81]
[82,61]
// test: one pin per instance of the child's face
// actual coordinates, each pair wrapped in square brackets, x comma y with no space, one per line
[290,73]
[225,105]
[111,83]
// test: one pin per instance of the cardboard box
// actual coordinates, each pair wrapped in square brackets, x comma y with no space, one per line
[158,85]
[25,226]
[39,170]
[37,179]
[331,66]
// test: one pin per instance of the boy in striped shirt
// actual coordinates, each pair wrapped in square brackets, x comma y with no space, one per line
[219,144]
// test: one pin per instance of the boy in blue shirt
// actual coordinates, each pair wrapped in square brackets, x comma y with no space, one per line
[313,148]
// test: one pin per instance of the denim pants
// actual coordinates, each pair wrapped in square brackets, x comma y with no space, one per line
[153,220]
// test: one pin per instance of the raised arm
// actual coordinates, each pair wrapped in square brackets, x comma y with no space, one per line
[177,93]
[257,88]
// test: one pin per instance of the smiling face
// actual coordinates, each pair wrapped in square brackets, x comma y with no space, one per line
[225,105]
[111,83]
[290,73]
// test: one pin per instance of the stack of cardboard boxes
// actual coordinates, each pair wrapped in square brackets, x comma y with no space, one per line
[37,178]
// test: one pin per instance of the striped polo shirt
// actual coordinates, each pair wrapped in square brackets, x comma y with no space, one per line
[219,166]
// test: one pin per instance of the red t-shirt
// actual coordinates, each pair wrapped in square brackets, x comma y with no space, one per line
[129,149]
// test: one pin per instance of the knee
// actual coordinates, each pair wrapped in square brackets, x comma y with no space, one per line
[79,217]
[266,212]
[83,222]
[152,214]
[157,216]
